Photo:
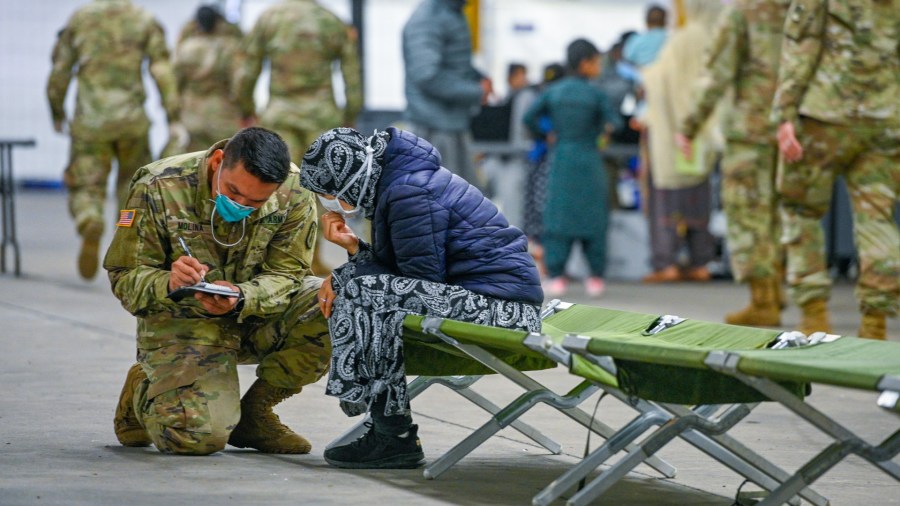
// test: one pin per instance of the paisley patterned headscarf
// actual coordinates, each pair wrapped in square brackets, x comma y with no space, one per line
[336,161]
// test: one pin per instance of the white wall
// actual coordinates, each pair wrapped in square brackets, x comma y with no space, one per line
[536,32]
[532,31]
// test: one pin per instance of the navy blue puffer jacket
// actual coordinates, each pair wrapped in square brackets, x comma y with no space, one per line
[431,224]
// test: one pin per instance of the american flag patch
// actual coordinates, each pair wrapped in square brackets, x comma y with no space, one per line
[126,217]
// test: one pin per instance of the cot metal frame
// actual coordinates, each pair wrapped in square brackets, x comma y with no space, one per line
[846,442]
[704,427]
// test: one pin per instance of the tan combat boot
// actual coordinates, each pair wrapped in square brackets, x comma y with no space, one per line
[763,310]
[129,430]
[260,427]
[814,317]
[873,325]
[88,257]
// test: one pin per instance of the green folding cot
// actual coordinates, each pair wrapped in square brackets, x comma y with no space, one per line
[672,360]
[503,350]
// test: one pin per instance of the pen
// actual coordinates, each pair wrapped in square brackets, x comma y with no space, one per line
[188,251]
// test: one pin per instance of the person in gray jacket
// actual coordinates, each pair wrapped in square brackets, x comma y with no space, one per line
[443,89]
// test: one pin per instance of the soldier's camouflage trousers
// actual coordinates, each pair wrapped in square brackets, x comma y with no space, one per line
[90,163]
[191,400]
[751,209]
[868,158]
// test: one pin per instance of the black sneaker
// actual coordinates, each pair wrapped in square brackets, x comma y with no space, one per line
[379,451]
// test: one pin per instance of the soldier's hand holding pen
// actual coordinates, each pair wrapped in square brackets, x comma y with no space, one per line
[186,271]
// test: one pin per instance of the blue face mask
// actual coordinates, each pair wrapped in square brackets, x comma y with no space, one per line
[231,211]
[228,209]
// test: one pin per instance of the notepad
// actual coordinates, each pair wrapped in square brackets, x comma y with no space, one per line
[204,287]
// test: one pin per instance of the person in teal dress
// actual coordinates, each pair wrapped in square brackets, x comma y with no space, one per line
[577,207]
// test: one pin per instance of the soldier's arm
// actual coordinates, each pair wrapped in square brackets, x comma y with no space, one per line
[63,60]
[800,52]
[137,260]
[351,73]
[723,57]
[250,61]
[288,259]
[162,72]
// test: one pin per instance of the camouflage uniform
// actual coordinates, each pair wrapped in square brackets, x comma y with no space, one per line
[107,41]
[743,58]
[839,82]
[301,40]
[190,403]
[204,68]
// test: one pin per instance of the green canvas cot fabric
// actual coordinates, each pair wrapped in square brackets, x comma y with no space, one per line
[581,367]
[848,362]
[668,366]
[427,355]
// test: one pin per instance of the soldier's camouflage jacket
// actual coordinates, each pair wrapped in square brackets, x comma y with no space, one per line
[743,57]
[171,198]
[106,41]
[840,62]
[204,68]
[301,40]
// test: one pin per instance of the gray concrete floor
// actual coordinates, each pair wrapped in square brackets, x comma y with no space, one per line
[66,345]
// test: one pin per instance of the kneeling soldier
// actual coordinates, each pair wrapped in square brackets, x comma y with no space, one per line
[234,216]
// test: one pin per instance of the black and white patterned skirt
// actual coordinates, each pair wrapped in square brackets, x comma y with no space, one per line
[366,326]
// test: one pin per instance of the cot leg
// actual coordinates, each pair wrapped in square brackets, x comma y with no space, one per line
[807,474]
[524,428]
[742,460]
[582,391]
[658,439]
[662,436]
[606,432]
[502,419]
[624,437]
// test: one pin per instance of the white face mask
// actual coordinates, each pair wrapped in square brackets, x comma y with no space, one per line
[334,205]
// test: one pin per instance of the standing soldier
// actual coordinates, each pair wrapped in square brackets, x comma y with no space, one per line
[105,44]
[744,59]
[837,110]
[205,59]
[235,216]
[301,40]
